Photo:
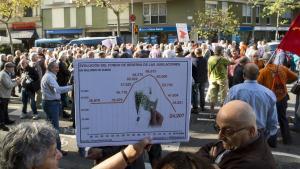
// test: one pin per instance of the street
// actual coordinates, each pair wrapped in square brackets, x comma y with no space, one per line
[201,132]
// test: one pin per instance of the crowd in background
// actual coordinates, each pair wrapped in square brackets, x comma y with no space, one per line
[39,73]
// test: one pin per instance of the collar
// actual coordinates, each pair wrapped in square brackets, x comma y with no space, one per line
[7,72]
[252,143]
[52,74]
[250,81]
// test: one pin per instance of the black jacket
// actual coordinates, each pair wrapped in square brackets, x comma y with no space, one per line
[238,75]
[199,69]
[30,79]
[256,155]
[63,75]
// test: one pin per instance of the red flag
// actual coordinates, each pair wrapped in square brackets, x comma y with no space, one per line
[291,40]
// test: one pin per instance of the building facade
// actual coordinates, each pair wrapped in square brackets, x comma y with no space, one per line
[26,28]
[155,20]
[62,18]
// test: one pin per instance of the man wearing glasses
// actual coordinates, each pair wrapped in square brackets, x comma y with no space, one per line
[240,144]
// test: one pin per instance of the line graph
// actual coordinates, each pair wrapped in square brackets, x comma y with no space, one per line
[121,101]
[131,87]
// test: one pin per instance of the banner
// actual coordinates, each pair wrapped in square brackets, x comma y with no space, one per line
[122,101]
[182,32]
[291,40]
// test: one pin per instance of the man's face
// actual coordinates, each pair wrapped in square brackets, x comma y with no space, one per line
[231,134]
[55,68]
[24,65]
[52,159]
[234,53]
[10,69]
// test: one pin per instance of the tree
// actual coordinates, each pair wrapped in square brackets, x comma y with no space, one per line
[209,23]
[13,8]
[278,8]
[115,5]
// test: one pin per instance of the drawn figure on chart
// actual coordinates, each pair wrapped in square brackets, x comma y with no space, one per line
[143,100]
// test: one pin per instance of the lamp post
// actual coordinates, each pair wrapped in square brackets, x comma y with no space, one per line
[132,24]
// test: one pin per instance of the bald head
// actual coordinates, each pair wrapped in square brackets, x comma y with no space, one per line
[251,71]
[237,124]
[239,113]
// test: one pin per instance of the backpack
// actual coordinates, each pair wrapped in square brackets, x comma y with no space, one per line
[278,87]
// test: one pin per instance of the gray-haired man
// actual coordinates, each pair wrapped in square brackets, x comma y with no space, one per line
[6,86]
[51,96]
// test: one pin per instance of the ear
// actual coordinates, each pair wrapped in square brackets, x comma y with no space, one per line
[252,131]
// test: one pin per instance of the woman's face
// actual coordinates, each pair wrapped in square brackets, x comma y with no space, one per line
[52,159]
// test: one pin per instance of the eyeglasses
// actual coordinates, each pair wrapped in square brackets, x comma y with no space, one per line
[228,131]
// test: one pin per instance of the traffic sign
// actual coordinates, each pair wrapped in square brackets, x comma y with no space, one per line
[132,18]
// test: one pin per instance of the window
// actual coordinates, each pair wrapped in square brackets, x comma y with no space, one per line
[58,13]
[155,13]
[268,20]
[257,15]
[225,6]
[88,15]
[211,7]
[287,17]
[28,12]
[247,14]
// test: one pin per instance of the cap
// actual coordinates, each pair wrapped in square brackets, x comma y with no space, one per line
[9,64]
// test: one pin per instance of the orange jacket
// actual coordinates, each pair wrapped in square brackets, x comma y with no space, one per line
[266,77]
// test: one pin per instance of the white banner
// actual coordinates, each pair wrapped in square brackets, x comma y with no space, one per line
[182,32]
[121,101]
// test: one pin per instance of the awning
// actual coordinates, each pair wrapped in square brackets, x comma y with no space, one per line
[246,28]
[5,40]
[25,34]
[270,28]
[64,31]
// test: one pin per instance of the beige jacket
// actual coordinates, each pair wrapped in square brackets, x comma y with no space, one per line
[6,84]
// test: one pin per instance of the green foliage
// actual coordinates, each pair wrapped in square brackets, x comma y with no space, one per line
[115,5]
[6,48]
[280,7]
[14,8]
[209,23]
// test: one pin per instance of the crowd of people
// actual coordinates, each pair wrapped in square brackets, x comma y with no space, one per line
[239,78]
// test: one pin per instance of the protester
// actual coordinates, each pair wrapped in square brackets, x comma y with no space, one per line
[169,52]
[205,51]
[51,97]
[240,145]
[155,52]
[236,59]
[217,76]
[238,73]
[6,86]
[3,60]
[243,48]
[30,83]
[199,73]
[283,75]
[261,99]
[30,145]
[63,77]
